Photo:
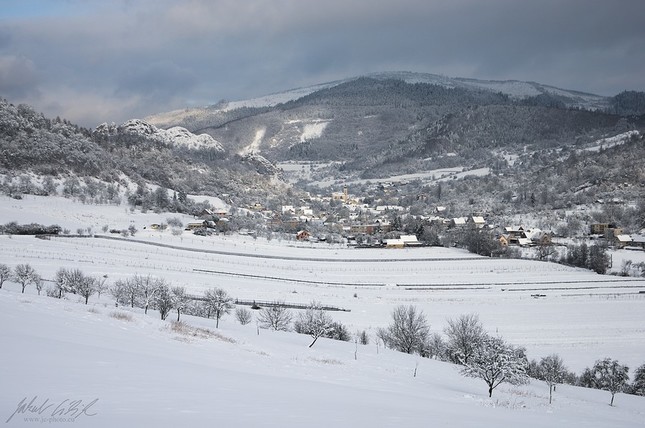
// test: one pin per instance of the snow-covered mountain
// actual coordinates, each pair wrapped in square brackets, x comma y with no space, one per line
[515,89]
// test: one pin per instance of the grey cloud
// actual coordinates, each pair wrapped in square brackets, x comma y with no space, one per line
[164,54]
[18,76]
[158,81]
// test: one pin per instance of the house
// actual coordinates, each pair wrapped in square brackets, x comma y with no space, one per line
[303,235]
[205,214]
[538,237]
[621,241]
[288,209]
[638,241]
[196,225]
[382,208]
[410,241]
[477,222]
[600,228]
[458,222]
[394,243]
[514,234]
[524,242]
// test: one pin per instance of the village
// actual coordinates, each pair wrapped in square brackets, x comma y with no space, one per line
[343,217]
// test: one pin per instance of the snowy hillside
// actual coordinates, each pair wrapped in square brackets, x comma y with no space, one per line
[129,369]
[582,316]
[199,115]
[176,135]
[132,369]
[513,88]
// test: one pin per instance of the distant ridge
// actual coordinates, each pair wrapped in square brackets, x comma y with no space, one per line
[515,89]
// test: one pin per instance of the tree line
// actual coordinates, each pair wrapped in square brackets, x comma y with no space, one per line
[149,292]
[493,360]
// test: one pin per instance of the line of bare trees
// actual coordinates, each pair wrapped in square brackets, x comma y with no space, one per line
[493,360]
[66,281]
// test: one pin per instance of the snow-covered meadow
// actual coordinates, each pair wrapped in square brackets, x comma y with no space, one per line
[143,373]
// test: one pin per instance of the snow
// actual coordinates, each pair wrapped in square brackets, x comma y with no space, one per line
[176,135]
[435,175]
[313,130]
[254,147]
[513,88]
[616,140]
[203,113]
[142,373]
[145,374]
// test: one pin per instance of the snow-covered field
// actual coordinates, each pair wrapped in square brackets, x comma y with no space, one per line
[435,175]
[144,374]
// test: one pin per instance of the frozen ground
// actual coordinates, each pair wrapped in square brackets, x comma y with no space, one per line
[143,374]
[139,372]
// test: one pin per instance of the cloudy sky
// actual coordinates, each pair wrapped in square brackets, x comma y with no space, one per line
[93,61]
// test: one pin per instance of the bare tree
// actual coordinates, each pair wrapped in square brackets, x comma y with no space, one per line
[180,299]
[124,292]
[611,376]
[314,322]
[39,283]
[382,335]
[101,285]
[275,317]
[74,280]
[24,275]
[148,288]
[5,273]
[409,330]
[243,316]
[496,362]
[638,386]
[60,282]
[164,301]
[363,338]
[552,371]
[86,287]
[464,336]
[436,347]
[219,302]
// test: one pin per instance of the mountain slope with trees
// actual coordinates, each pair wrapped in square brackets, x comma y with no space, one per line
[134,152]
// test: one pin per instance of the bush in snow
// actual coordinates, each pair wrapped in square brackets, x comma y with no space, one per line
[275,317]
[243,316]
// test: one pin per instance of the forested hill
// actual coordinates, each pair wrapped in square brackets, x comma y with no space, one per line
[132,152]
[380,125]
